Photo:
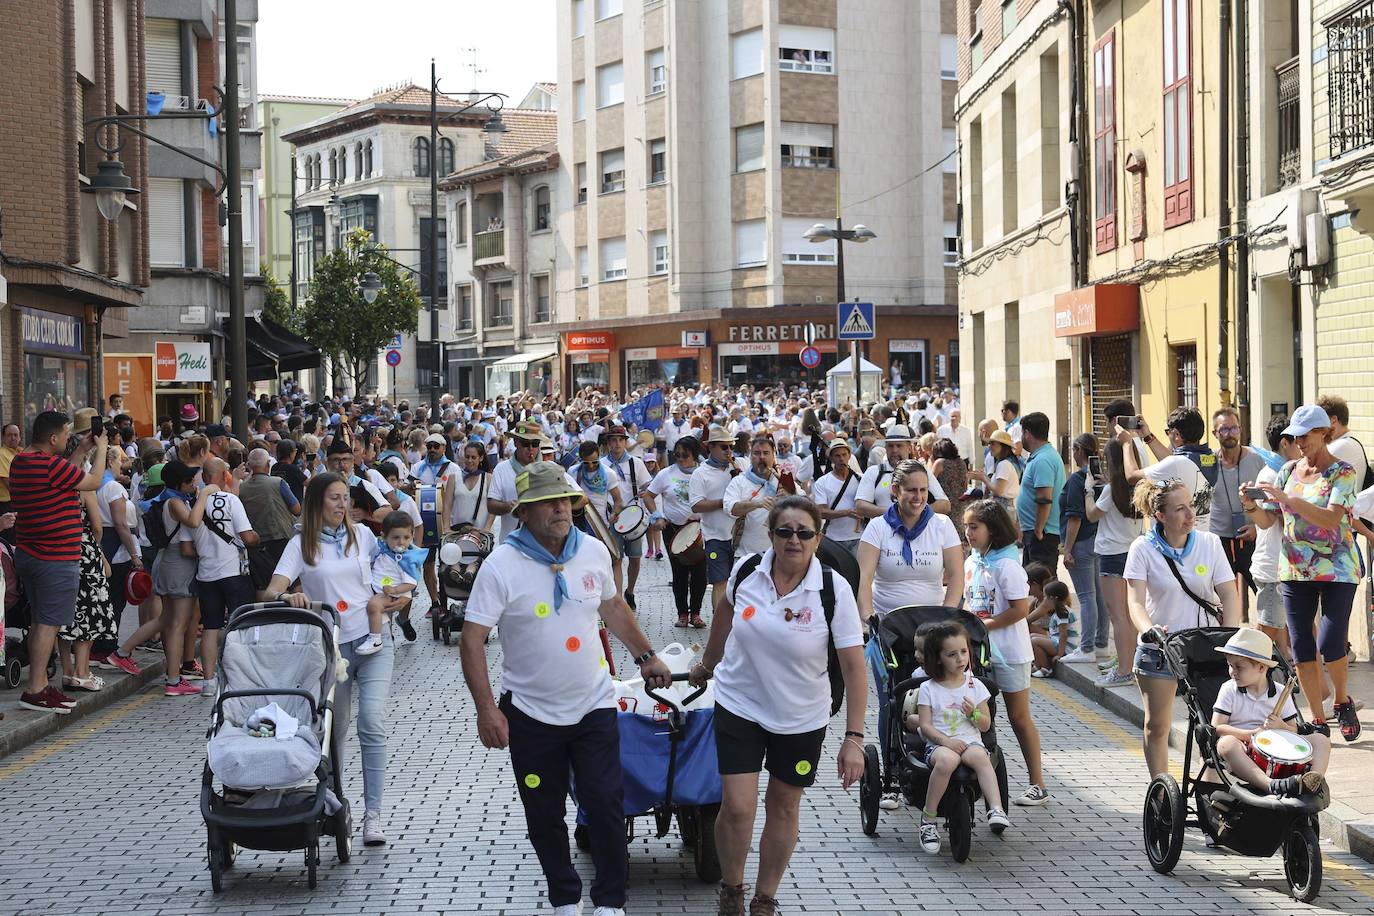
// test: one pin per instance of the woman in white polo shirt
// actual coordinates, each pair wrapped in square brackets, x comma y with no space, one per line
[768,652]
[1177,578]
[332,558]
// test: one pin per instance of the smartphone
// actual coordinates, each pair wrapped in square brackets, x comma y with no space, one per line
[1095,466]
[1255,494]
[1129,422]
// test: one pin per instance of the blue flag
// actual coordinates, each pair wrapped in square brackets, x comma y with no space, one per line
[646,413]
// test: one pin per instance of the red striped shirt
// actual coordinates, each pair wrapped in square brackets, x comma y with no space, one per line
[43,494]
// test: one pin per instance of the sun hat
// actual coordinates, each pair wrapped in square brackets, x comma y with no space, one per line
[1305,419]
[898,433]
[616,431]
[138,586]
[435,438]
[81,422]
[1002,436]
[541,481]
[529,431]
[1247,642]
[838,442]
[720,435]
[153,476]
[189,414]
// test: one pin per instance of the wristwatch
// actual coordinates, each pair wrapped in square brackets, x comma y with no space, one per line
[645,657]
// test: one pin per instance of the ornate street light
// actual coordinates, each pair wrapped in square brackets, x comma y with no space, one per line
[111,188]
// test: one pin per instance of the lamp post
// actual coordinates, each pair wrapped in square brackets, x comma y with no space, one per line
[819,233]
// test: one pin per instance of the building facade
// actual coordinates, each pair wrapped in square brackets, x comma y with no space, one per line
[699,142]
[71,275]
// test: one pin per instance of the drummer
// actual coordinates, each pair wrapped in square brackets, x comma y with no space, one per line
[434,470]
[751,495]
[674,485]
[706,494]
[528,439]
[629,475]
[875,489]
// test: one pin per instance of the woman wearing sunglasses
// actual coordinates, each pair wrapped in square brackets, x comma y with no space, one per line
[768,653]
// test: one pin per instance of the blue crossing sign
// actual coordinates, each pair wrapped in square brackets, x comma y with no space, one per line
[855,321]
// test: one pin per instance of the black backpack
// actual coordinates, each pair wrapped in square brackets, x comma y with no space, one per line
[832,663]
[156,528]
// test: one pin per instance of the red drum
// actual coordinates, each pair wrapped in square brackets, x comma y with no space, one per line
[1281,753]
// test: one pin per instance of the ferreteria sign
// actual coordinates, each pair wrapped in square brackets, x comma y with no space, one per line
[765,332]
[182,361]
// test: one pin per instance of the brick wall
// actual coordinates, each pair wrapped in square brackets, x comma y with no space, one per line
[207,75]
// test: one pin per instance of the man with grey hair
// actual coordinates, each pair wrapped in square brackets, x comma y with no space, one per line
[271,507]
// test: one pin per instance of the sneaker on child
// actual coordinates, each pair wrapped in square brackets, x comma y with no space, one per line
[372,644]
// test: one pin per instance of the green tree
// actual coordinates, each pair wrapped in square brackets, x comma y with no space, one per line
[337,318]
[277,307]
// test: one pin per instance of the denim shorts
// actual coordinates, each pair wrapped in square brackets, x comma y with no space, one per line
[1112,565]
[1012,678]
[1149,662]
[720,559]
[1269,606]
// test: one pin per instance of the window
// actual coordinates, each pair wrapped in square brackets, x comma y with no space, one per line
[949,68]
[343,164]
[579,18]
[248,197]
[166,206]
[658,246]
[797,250]
[581,169]
[500,304]
[612,171]
[333,167]
[751,243]
[1185,375]
[426,227]
[612,258]
[460,216]
[1348,52]
[1008,17]
[580,100]
[1051,189]
[951,245]
[1104,142]
[1178,114]
[464,295]
[975,39]
[605,9]
[806,49]
[808,146]
[540,287]
[421,157]
[749,148]
[542,208]
[83,100]
[657,70]
[950,165]
[358,171]
[610,84]
[583,267]
[746,53]
[357,213]
[658,161]
[445,156]
[367,159]
[309,239]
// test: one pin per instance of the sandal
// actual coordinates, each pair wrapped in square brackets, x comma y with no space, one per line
[92,684]
[681,621]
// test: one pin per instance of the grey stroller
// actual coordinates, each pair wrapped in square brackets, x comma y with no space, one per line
[272,745]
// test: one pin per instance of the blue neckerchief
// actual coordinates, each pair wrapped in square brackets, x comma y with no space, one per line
[595,483]
[354,480]
[146,505]
[1013,422]
[717,463]
[522,540]
[336,536]
[390,453]
[894,520]
[516,465]
[1203,458]
[770,486]
[411,560]
[468,475]
[107,477]
[983,562]
[1273,459]
[614,465]
[1155,537]
[434,467]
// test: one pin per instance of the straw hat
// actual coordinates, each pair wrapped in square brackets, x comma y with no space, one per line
[1002,436]
[81,422]
[1250,643]
[720,434]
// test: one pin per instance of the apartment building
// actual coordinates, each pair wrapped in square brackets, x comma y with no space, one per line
[701,140]
[70,276]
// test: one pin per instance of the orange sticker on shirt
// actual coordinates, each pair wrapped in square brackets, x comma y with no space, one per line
[749,612]
[341,605]
[573,644]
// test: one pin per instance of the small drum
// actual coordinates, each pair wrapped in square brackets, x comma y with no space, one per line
[1281,753]
[688,546]
[467,549]
[427,498]
[632,523]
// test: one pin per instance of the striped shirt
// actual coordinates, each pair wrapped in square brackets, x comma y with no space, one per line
[43,493]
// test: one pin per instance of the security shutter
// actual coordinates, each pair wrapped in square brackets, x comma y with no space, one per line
[1111,376]
[166,222]
[796,133]
[162,43]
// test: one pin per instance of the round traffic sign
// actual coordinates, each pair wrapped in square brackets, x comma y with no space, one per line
[810,357]
[393,358]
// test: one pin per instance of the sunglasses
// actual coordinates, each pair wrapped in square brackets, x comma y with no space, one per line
[309,456]
[786,534]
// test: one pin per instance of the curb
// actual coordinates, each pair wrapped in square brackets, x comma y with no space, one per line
[22,727]
[1339,822]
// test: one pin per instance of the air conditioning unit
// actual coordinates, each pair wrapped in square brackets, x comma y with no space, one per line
[1295,228]
[1316,250]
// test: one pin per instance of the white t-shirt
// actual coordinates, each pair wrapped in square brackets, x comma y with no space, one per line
[109,493]
[1348,450]
[466,501]
[218,559]
[1264,563]
[961,437]
[551,661]
[1115,532]
[1249,708]
[991,594]
[410,507]
[823,493]
[673,486]
[1182,468]
[773,671]
[1204,568]
[503,489]
[947,707]
[342,580]
[640,476]
[386,572]
[375,477]
[432,477]
[711,483]
[895,584]
[672,433]
[876,486]
[754,538]
[1006,470]
[803,469]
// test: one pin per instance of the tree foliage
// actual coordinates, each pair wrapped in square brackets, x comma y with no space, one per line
[277,306]
[337,318]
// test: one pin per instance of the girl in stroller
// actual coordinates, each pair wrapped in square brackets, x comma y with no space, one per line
[952,714]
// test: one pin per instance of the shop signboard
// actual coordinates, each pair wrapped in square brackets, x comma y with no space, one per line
[51,331]
[131,376]
[758,333]
[182,361]
[695,339]
[591,340]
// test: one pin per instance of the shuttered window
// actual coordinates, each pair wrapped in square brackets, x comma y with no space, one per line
[166,222]
[162,46]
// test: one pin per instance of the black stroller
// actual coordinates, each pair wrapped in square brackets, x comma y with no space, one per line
[277,793]
[15,624]
[897,762]
[460,557]
[1230,814]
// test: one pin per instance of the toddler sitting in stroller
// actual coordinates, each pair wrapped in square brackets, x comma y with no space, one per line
[395,571]
[1245,706]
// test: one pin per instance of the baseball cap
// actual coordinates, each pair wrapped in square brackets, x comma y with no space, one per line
[1305,419]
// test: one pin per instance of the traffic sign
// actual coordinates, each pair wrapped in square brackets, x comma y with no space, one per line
[809,333]
[393,358]
[855,321]
[810,357]
[395,343]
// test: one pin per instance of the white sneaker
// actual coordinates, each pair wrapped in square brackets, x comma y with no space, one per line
[609,911]
[890,802]
[372,829]
[1034,797]
[998,820]
[568,909]
[930,837]
[1079,657]
[209,688]
[373,644]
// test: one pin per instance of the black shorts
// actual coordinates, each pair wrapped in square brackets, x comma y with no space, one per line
[742,746]
[221,597]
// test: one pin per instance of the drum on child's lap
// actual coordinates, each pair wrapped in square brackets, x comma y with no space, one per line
[1280,753]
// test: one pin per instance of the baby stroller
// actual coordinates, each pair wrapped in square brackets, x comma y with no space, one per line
[14,624]
[460,556]
[897,762]
[1229,812]
[280,790]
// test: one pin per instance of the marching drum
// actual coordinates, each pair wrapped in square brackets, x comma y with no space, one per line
[597,525]
[428,500]
[688,546]
[1281,753]
[632,523]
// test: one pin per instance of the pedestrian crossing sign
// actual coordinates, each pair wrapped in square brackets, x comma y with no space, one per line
[855,321]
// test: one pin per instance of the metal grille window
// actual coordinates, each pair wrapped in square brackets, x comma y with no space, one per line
[1110,376]
[1185,376]
[541,298]
[1350,79]
[658,161]
[1290,125]
[464,294]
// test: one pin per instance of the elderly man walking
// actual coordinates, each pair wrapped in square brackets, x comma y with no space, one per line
[272,509]
[546,586]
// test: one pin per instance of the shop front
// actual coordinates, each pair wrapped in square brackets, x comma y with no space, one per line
[675,366]
[182,375]
[57,369]
[530,371]
[772,363]
[1105,317]
[589,360]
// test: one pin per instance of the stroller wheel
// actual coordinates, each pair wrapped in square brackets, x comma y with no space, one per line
[960,824]
[230,853]
[1302,862]
[434,624]
[704,855]
[14,671]
[312,861]
[870,791]
[1165,812]
[215,856]
[343,833]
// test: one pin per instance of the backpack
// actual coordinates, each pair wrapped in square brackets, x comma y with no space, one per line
[155,527]
[832,662]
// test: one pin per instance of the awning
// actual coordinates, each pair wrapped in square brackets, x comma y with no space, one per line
[518,362]
[272,350]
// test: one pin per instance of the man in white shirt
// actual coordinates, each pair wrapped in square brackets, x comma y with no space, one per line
[547,586]
[750,495]
[1185,458]
[1011,422]
[675,429]
[220,530]
[706,493]
[501,497]
[956,432]
[800,465]
[835,493]
[629,474]
[874,494]
[1343,445]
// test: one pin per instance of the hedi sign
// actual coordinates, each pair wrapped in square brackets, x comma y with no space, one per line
[178,361]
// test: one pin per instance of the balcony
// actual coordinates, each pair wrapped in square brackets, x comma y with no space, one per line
[1290,124]
[1350,79]
[489,247]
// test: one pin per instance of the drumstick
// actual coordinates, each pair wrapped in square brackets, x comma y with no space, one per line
[1284,695]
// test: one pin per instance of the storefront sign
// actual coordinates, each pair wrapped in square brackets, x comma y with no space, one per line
[132,377]
[640,353]
[906,346]
[182,361]
[44,330]
[1108,308]
[695,338]
[768,332]
[591,340]
[747,349]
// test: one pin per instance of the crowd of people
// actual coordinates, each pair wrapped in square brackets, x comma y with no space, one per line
[752,491]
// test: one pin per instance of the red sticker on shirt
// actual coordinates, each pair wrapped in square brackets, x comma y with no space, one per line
[749,612]
[342,605]
[573,644]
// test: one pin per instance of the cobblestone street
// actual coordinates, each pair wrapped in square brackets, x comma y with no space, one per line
[104,818]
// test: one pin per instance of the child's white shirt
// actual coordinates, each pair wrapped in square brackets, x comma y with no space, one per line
[387,572]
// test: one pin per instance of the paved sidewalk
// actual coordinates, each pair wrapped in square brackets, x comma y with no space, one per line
[1349,821]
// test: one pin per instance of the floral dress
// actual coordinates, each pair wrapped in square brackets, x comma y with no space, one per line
[95,617]
[953,479]
[1312,553]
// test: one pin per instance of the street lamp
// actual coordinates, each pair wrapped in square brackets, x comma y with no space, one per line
[111,188]
[371,286]
[819,233]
